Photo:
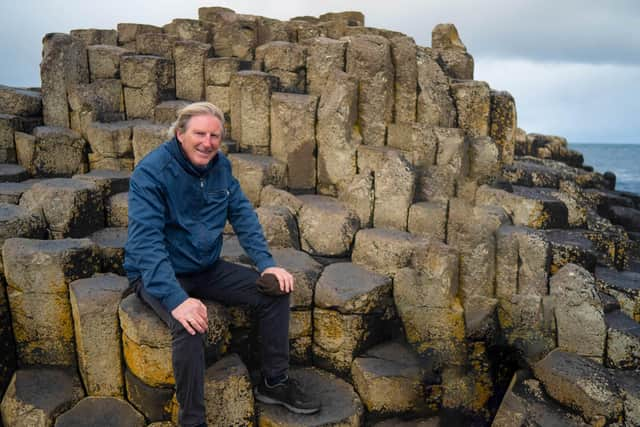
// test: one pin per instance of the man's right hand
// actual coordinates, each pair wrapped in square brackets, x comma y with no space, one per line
[192,314]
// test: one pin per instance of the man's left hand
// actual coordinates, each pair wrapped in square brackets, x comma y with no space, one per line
[285,279]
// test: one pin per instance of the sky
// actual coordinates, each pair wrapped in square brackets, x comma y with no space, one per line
[573,66]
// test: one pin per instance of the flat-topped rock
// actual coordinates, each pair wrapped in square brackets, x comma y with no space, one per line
[38,273]
[254,172]
[19,101]
[16,221]
[622,285]
[228,396]
[391,379]
[623,341]
[272,196]
[305,271]
[385,251]
[279,226]
[71,207]
[35,397]
[327,227]
[53,151]
[581,384]
[12,173]
[525,399]
[11,192]
[526,206]
[110,244]
[627,217]
[101,412]
[146,340]
[341,406]
[349,288]
[94,304]
[110,182]
[570,246]
[530,174]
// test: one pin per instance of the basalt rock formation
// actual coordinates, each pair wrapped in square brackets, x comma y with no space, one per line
[451,269]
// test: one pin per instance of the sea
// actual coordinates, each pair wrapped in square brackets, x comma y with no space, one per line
[621,159]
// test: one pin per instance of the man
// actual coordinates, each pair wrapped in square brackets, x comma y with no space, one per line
[180,197]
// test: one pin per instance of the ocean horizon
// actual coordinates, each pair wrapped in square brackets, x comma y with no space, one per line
[621,159]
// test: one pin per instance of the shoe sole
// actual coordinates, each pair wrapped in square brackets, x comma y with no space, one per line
[269,401]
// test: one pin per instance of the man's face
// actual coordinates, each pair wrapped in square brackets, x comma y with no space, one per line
[201,139]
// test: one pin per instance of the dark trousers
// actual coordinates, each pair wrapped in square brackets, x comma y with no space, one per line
[230,284]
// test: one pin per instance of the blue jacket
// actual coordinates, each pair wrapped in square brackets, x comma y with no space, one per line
[177,213]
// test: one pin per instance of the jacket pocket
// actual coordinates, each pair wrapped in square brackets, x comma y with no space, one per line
[217,196]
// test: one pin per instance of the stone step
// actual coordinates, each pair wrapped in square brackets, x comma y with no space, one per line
[146,340]
[385,251]
[52,151]
[12,173]
[20,102]
[340,403]
[392,380]
[327,226]
[582,384]
[627,217]
[624,286]
[570,246]
[279,226]
[526,399]
[254,172]
[101,412]
[526,206]
[11,192]
[71,207]
[36,396]
[351,289]
[109,182]
[623,341]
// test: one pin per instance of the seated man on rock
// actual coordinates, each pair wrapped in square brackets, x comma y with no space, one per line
[180,197]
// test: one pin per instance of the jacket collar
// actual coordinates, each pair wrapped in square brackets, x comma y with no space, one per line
[175,149]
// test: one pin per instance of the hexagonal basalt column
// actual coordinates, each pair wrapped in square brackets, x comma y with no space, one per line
[38,273]
[341,406]
[36,397]
[146,340]
[101,412]
[327,227]
[94,304]
[71,208]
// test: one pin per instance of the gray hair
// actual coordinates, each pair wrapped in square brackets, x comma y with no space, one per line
[196,109]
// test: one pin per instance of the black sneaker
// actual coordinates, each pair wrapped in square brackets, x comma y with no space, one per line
[288,394]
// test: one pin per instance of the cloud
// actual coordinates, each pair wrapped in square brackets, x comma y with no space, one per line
[583,102]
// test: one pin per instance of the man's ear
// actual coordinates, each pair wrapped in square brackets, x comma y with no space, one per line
[178,135]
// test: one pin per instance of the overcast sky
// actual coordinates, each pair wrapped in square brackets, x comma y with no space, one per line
[572,65]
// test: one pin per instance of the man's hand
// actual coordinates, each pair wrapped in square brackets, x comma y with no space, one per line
[192,314]
[285,279]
